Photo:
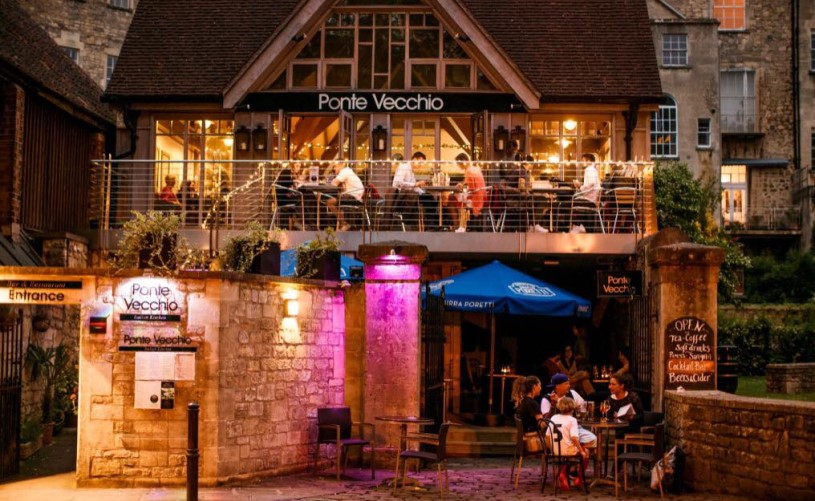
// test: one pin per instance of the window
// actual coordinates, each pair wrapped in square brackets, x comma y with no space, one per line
[703,133]
[111,65]
[72,53]
[119,4]
[384,50]
[674,49]
[734,193]
[553,139]
[730,13]
[738,95]
[664,131]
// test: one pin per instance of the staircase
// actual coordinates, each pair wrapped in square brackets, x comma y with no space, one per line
[469,440]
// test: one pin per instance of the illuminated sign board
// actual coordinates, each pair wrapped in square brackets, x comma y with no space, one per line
[35,291]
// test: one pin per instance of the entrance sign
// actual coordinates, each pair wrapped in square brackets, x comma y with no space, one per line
[149,313]
[690,355]
[383,102]
[624,284]
[36,291]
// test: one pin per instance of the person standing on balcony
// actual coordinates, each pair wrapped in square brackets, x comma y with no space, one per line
[591,188]
[352,190]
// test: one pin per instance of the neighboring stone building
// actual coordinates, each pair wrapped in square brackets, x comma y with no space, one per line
[91,32]
[746,121]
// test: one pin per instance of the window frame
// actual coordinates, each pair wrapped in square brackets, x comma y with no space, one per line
[730,6]
[699,132]
[729,189]
[747,100]
[680,53]
[109,69]
[120,5]
[71,52]
[658,148]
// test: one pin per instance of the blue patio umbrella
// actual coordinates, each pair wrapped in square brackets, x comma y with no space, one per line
[497,288]
[288,265]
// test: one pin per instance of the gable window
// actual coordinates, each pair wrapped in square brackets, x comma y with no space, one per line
[731,14]
[738,95]
[734,193]
[674,49]
[72,53]
[119,4]
[703,133]
[664,131]
[109,67]
[384,50]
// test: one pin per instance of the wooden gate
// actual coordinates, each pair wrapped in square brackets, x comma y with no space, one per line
[433,357]
[11,383]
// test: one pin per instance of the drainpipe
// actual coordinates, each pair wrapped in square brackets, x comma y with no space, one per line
[630,124]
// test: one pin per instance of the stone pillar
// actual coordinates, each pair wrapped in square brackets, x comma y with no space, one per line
[11,157]
[392,360]
[682,280]
[65,250]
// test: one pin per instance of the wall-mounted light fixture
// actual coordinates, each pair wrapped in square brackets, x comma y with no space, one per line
[462,37]
[242,138]
[569,124]
[291,308]
[259,137]
[379,138]
[518,134]
[499,138]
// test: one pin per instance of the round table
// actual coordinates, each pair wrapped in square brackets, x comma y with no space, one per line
[604,428]
[403,422]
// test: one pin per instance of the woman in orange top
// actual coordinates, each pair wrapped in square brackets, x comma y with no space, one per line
[474,182]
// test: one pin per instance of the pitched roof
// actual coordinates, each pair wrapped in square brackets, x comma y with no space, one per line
[576,50]
[30,56]
[586,50]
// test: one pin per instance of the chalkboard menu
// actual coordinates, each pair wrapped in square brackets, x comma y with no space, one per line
[690,355]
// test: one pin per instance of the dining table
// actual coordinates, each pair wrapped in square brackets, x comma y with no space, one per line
[439,192]
[403,421]
[319,190]
[503,376]
[551,194]
[603,429]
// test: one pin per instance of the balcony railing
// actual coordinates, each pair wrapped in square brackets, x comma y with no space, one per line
[764,218]
[298,195]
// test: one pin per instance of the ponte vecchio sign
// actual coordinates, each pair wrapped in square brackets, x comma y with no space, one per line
[382,102]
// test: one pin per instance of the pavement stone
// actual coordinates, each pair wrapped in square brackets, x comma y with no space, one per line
[482,479]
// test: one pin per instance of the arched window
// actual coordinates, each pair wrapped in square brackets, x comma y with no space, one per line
[664,131]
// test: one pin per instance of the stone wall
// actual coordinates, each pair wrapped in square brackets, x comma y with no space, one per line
[759,448]
[259,379]
[777,314]
[790,378]
[68,250]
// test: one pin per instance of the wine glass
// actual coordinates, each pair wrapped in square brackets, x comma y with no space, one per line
[605,406]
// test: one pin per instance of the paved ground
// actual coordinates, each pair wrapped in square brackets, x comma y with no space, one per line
[470,479]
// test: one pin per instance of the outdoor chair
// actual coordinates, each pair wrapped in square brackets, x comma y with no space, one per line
[651,449]
[625,204]
[521,452]
[439,456]
[582,206]
[287,201]
[554,458]
[334,427]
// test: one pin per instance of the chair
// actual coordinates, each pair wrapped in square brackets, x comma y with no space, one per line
[334,427]
[553,456]
[583,205]
[293,201]
[521,452]
[625,202]
[439,457]
[656,444]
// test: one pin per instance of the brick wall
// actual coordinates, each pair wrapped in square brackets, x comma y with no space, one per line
[790,378]
[759,448]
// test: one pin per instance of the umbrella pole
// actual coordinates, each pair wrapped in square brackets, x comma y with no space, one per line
[492,355]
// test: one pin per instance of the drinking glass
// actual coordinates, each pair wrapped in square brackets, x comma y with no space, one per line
[604,408]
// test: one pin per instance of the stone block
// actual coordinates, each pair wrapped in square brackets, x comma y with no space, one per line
[105,467]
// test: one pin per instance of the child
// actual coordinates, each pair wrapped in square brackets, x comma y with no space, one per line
[569,442]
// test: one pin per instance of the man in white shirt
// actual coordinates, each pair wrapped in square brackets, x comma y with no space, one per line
[591,187]
[352,191]
[404,180]
[562,388]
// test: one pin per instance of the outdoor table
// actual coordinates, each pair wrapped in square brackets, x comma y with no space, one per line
[438,192]
[503,377]
[551,194]
[318,190]
[604,428]
[403,422]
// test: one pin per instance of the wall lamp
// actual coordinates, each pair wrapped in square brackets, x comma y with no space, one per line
[291,308]
[259,137]
[499,138]
[379,138]
[518,134]
[242,138]
[298,37]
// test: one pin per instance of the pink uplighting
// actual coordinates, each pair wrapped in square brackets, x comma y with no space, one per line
[393,271]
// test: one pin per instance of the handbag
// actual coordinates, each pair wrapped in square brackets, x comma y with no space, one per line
[532,441]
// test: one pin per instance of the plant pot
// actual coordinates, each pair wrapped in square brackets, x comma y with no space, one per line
[28,449]
[267,262]
[47,433]
[325,266]
[166,257]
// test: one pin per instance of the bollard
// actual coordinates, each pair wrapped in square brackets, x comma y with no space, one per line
[192,451]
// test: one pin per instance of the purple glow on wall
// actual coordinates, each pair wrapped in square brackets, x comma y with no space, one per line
[393,271]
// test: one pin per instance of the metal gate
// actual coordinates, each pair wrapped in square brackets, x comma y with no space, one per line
[11,383]
[642,347]
[433,357]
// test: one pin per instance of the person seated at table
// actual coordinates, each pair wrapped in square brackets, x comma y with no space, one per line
[352,191]
[404,180]
[524,392]
[561,388]
[622,396]
[475,195]
[168,191]
[578,378]
[188,194]
[570,444]
[512,184]
[625,365]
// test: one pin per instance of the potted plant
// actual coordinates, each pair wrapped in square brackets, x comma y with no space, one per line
[52,364]
[320,257]
[150,240]
[30,438]
[255,250]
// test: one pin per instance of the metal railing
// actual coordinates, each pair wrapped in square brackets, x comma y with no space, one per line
[772,218]
[298,195]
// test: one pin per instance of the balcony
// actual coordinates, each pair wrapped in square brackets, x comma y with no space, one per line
[768,221]
[215,199]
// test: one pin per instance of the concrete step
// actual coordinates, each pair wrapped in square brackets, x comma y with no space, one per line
[468,440]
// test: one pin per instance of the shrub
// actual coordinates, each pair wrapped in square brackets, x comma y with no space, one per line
[758,343]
